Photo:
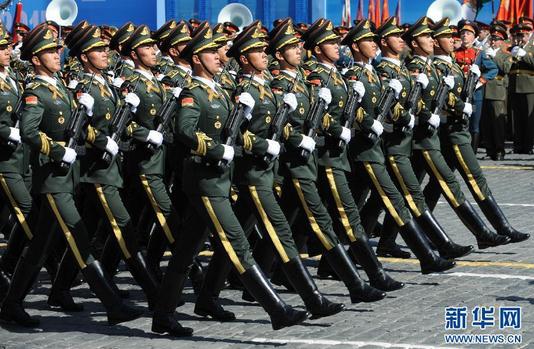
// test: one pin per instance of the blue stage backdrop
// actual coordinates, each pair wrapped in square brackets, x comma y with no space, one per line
[155,12]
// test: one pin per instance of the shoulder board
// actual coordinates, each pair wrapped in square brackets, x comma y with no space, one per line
[193,85]
[133,77]
[33,85]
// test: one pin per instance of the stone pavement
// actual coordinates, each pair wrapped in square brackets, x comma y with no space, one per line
[413,317]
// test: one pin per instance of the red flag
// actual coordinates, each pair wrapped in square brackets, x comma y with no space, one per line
[377,13]
[385,11]
[345,19]
[16,20]
[371,11]
[359,15]
[398,12]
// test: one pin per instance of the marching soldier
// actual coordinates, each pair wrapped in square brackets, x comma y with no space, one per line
[495,115]
[522,88]
[123,66]
[47,111]
[205,108]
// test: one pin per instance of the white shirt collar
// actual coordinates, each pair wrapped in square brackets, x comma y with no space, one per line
[425,59]
[256,78]
[212,84]
[188,70]
[328,65]
[392,60]
[168,59]
[48,79]
[146,74]
[293,74]
[129,62]
[98,78]
[445,58]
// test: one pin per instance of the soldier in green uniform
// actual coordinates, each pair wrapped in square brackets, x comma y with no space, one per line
[398,145]
[427,156]
[456,141]
[205,108]
[124,66]
[225,79]
[494,114]
[47,110]
[369,169]
[165,63]
[522,88]
[12,159]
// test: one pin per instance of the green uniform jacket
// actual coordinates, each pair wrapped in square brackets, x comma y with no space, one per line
[522,71]
[250,169]
[291,161]
[330,155]
[423,140]
[93,169]
[199,123]
[361,148]
[496,89]
[397,142]
[46,113]
[10,160]
[152,95]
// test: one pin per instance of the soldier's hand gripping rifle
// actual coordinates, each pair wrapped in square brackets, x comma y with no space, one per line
[18,108]
[120,120]
[232,126]
[469,88]
[349,113]
[314,117]
[75,128]
[279,120]
[442,94]
[415,96]
[165,115]
[387,99]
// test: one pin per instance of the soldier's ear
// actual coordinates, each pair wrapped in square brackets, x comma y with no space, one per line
[35,61]
[133,55]
[279,56]
[243,59]
[317,50]
[195,59]
[83,58]
[173,52]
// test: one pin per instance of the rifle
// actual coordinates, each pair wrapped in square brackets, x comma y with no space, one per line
[119,122]
[441,98]
[469,88]
[75,128]
[313,119]
[415,95]
[232,126]
[349,112]
[18,108]
[165,114]
[387,99]
[279,120]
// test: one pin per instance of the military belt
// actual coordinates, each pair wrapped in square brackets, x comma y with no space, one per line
[522,72]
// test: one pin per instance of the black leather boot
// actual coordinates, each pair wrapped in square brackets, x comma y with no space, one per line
[60,293]
[387,247]
[279,278]
[21,283]
[485,237]
[373,268]
[317,304]
[144,277]
[282,315]
[5,281]
[157,243]
[446,247]
[101,284]
[110,259]
[207,303]
[196,275]
[475,141]
[325,271]
[416,240]
[15,246]
[169,296]
[498,220]
[341,263]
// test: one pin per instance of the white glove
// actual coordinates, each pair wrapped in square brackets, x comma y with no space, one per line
[325,95]
[369,67]
[518,52]
[468,109]
[307,143]
[88,102]
[72,84]
[69,156]
[396,86]
[112,147]
[111,74]
[449,80]
[411,124]
[273,147]
[345,134]
[248,101]
[176,91]
[160,77]
[490,52]
[377,128]
[475,69]
[423,80]
[359,89]
[434,120]
[118,81]
[228,154]
[133,100]
[291,100]
[14,134]
[155,137]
